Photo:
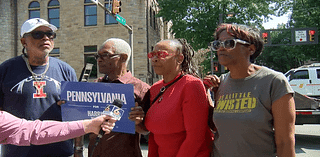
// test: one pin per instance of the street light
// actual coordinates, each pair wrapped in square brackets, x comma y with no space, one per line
[211,58]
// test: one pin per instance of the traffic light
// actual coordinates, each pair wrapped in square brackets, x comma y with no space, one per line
[116,6]
[215,66]
[312,34]
[265,37]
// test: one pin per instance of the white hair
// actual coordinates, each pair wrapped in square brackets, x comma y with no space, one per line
[121,47]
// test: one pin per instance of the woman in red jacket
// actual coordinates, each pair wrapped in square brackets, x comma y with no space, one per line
[177,119]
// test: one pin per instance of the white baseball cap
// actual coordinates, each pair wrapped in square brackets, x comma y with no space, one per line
[34,23]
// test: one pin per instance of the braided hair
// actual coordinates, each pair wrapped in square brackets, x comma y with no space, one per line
[188,66]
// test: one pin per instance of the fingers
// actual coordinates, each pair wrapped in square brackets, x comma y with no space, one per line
[211,81]
[98,80]
[138,119]
[107,126]
[61,102]
[108,118]
[136,111]
[136,114]
[108,123]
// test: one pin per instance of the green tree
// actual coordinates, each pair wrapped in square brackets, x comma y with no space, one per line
[196,20]
[305,13]
[280,58]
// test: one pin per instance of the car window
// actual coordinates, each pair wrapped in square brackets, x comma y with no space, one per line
[318,73]
[288,74]
[300,74]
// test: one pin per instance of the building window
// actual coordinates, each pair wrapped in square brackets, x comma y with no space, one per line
[90,13]
[154,20]
[89,52]
[90,49]
[151,17]
[109,19]
[54,12]
[55,52]
[34,10]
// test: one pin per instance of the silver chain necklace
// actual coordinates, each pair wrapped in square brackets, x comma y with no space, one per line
[36,77]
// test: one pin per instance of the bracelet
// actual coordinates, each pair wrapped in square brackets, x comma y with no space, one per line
[78,148]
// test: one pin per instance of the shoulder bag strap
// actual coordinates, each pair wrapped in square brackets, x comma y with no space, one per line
[165,87]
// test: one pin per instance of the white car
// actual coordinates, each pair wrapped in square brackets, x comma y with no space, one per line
[305,80]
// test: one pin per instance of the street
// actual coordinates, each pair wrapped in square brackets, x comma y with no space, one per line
[307,142]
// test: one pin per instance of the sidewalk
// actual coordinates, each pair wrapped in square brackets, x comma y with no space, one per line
[144,149]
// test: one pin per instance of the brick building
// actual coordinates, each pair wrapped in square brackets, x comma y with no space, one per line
[83,27]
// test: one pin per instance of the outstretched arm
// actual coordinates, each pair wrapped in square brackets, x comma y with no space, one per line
[21,132]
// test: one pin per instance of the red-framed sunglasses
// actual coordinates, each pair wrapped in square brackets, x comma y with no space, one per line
[159,54]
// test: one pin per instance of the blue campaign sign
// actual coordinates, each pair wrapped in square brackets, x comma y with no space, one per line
[86,100]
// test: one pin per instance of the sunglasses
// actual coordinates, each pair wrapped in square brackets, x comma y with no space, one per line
[159,54]
[40,34]
[227,44]
[108,55]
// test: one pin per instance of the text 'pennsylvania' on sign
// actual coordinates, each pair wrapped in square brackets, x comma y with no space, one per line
[87,100]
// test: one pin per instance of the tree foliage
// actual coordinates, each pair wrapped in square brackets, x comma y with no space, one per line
[305,14]
[196,20]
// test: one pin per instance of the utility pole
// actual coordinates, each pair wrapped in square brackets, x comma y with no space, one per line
[211,58]
[220,18]
[211,52]
[220,21]
[123,22]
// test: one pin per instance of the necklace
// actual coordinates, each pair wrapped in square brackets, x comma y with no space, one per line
[163,89]
[36,77]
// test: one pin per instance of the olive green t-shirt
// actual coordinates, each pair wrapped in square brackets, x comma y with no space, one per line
[243,114]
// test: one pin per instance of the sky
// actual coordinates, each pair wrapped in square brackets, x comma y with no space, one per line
[272,24]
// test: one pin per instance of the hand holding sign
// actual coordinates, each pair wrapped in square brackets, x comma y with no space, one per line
[137,114]
[87,100]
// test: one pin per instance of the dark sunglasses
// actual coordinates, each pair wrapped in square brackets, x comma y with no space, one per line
[40,34]
[227,44]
